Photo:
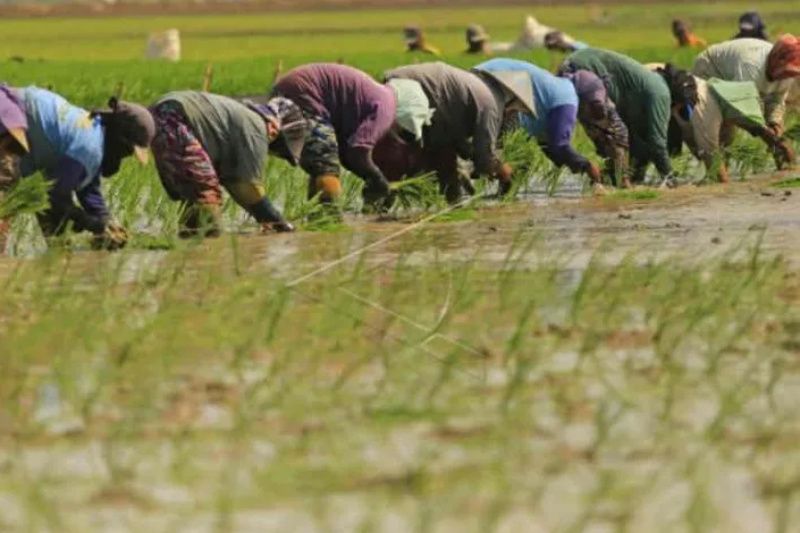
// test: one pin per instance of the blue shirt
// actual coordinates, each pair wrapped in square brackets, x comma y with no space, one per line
[58,129]
[549,92]
[66,145]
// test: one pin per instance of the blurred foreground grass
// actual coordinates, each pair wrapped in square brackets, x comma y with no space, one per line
[185,386]
[206,392]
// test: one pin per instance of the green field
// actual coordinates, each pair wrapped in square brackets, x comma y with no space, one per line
[627,363]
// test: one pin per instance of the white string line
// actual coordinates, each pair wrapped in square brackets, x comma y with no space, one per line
[407,320]
[293,284]
[423,346]
[379,242]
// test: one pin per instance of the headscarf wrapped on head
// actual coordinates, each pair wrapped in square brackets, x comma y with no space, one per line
[413,107]
[589,86]
[289,120]
[783,60]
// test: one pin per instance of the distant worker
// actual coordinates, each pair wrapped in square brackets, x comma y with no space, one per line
[477,40]
[348,113]
[600,120]
[773,68]
[74,149]
[550,112]
[643,101]
[561,42]
[467,124]
[710,125]
[682,32]
[416,41]
[751,26]
[207,142]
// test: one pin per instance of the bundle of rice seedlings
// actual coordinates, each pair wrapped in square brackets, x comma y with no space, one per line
[417,193]
[28,195]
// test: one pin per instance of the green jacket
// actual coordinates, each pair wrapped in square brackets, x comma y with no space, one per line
[642,99]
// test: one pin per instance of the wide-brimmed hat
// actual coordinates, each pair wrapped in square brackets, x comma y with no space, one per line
[517,82]
[12,117]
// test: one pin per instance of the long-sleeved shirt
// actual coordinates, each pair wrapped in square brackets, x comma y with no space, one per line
[746,60]
[642,99]
[468,115]
[233,135]
[556,105]
[360,109]
[66,145]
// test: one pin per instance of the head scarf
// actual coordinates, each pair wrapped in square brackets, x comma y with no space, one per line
[412,35]
[589,86]
[783,60]
[291,123]
[12,116]
[413,108]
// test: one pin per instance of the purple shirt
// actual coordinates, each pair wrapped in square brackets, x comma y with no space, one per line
[360,109]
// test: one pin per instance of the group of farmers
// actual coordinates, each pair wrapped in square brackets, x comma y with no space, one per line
[425,117]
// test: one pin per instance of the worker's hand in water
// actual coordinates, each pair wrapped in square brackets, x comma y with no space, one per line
[784,156]
[724,177]
[113,237]
[670,181]
[376,192]
[775,129]
[280,227]
[594,173]
[504,174]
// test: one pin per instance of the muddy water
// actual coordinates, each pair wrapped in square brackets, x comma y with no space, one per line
[571,226]
[688,222]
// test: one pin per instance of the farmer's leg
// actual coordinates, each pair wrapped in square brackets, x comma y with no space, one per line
[320,160]
[186,171]
[445,162]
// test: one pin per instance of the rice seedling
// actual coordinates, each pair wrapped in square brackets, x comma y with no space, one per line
[523,370]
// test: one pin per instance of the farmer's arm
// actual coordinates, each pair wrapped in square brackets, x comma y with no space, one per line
[488,123]
[247,189]
[358,154]
[775,108]
[91,199]
[559,127]
[252,197]
[656,123]
[67,177]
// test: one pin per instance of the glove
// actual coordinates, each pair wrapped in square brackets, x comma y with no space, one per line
[375,191]
[280,227]
[113,237]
